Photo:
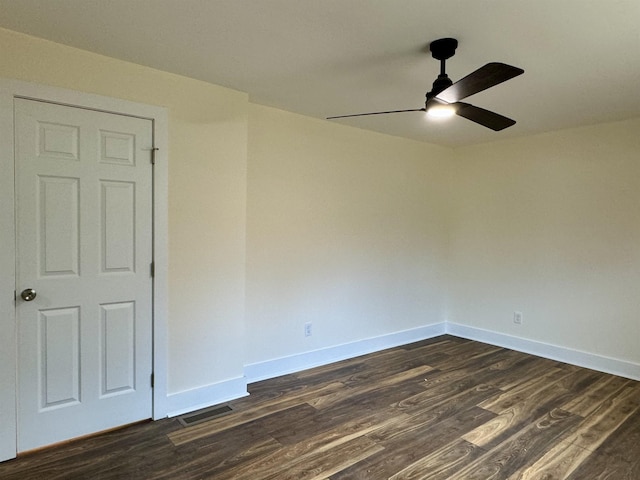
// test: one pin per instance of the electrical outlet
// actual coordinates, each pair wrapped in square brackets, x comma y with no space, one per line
[517,318]
[307,329]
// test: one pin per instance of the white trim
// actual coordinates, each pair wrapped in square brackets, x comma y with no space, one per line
[207,396]
[8,340]
[161,264]
[579,358]
[303,361]
[15,88]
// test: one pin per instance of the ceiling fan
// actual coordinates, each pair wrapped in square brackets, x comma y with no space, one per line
[444,98]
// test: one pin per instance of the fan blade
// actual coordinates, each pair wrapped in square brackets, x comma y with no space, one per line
[484,117]
[378,113]
[485,77]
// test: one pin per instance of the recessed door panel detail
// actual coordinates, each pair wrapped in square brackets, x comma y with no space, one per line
[117,148]
[118,226]
[118,348]
[59,220]
[59,375]
[58,141]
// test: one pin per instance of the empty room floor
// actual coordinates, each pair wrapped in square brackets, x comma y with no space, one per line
[444,408]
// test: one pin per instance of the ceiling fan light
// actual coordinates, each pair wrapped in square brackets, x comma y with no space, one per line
[441,111]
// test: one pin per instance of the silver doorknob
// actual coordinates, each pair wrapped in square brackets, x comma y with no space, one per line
[28,294]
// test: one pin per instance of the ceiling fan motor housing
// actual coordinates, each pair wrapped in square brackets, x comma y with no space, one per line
[441,83]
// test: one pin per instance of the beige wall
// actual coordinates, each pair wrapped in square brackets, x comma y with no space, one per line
[550,225]
[356,231]
[207,194]
[346,229]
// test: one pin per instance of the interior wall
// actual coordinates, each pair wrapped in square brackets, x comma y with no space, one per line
[207,195]
[549,225]
[364,234]
[346,229]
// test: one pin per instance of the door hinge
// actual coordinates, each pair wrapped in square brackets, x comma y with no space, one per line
[153,155]
[152,268]
[152,380]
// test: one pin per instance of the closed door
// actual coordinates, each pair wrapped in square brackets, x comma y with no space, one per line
[84,284]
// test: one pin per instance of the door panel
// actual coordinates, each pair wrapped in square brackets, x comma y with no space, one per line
[117,365]
[117,226]
[59,351]
[59,222]
[83,213]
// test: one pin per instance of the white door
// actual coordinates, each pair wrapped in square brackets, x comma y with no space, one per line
[84,245]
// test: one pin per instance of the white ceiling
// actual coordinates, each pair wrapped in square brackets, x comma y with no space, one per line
[332,57]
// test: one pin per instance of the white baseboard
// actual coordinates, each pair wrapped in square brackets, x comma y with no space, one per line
[206,396]
[600,363]
[209,395]
[295,363]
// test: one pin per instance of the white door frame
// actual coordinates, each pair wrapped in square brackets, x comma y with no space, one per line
[9,89]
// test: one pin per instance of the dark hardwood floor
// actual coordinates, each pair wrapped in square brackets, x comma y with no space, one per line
[444,408]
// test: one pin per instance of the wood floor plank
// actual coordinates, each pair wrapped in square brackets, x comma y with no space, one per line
[215,459]
[623,444]
[523,391]
[415,375]
[618,457]
[475,359]
[435,343]
[441,385]
[514,454]
[323,421]
[603,388]
[143,445]
[530,405]
[510,360]
[556,464]
[567,456]
[597,427]
[400,449]
[260,410]
[319,445]
[442,463]
[321,464]
[470,349]
[601,469]
[525,371]
[426,420]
